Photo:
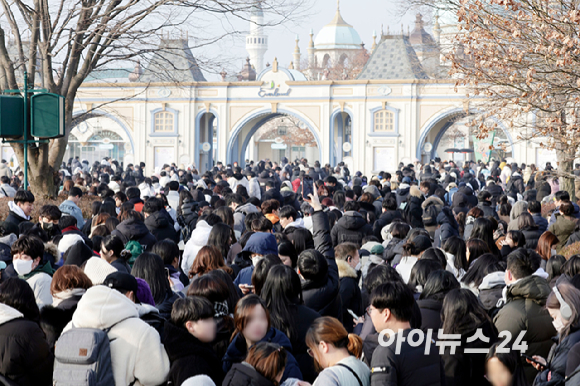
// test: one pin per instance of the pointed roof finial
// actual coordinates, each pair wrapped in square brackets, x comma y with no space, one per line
[338,5]
[275,65]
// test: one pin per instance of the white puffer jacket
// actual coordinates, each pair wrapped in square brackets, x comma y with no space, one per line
[136,349]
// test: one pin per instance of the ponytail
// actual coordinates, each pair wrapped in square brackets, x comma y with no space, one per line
[125,254]
[355,345]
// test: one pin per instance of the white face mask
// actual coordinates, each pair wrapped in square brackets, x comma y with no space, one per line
[22,267]
[256,259]
[558,324]
[553,252]
[358,266]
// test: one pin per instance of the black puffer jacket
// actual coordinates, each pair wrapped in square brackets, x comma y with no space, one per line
[557,360]
[393,248]
[459,204]
[447,227]
[532,236]
[385,219]
[187,214]
[496,192]
[323,296]
[430,314]
[413,212]
[349,293]
[470,198]
[463,368]
[413,367]
[189,356]
[242,374]
[161,226]
[402,195]
[166,305]
[351,227]
[488,210]
[514,186]
[26,358]
[132,229]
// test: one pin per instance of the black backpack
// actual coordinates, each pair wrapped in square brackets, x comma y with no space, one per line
[430,214]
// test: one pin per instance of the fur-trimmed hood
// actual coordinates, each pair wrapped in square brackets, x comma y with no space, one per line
[52,249]
[433,200]
[415,191]
[345,270]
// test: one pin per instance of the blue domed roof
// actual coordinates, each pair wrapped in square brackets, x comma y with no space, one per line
[337,34]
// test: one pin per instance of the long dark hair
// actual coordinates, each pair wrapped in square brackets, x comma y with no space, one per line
[438,284]
[220,237]
[480,268]
[420,272]
[282,292]
[456,246]
[150,268]
[483,229]
[462,312]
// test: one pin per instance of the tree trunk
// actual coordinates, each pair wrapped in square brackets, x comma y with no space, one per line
[565,170]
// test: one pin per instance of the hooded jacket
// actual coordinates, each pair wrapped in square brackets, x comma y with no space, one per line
[459,203]
[532,236]
[187,216]
[26,357]
[160,224]
[237,351]
[189,356]
[491,291]
[243,374]
[351,227]
[39,280]
[517,209]
[447,227]
[137,354]
[197,241]
[15,215]
[240,215]
[433,202]
[488,210]
[525,311]
[132,229]
[413,212]
[386,218]
[562,229]
[349,293]
[254,190]
[72,209]
[402,194]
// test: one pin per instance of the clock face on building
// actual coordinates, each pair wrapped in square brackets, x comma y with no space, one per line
[428,147]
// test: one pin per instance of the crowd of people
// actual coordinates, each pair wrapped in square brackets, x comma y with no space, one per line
[291,274]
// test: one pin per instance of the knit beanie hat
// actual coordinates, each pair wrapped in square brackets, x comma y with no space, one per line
[98,269]
[144,294]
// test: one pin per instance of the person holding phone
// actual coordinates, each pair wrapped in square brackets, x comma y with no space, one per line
[563,304]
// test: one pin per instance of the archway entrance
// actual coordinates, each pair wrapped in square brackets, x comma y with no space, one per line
[274,136]
[97,137]
[451,130]
[206,141]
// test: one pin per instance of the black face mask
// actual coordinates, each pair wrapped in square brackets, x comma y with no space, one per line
[47,226]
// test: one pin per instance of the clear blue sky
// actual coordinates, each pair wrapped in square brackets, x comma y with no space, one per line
[364,15]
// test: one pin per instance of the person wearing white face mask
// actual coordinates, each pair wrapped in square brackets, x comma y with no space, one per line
[563,304]
[27,259]
[348,263]
[259,245]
